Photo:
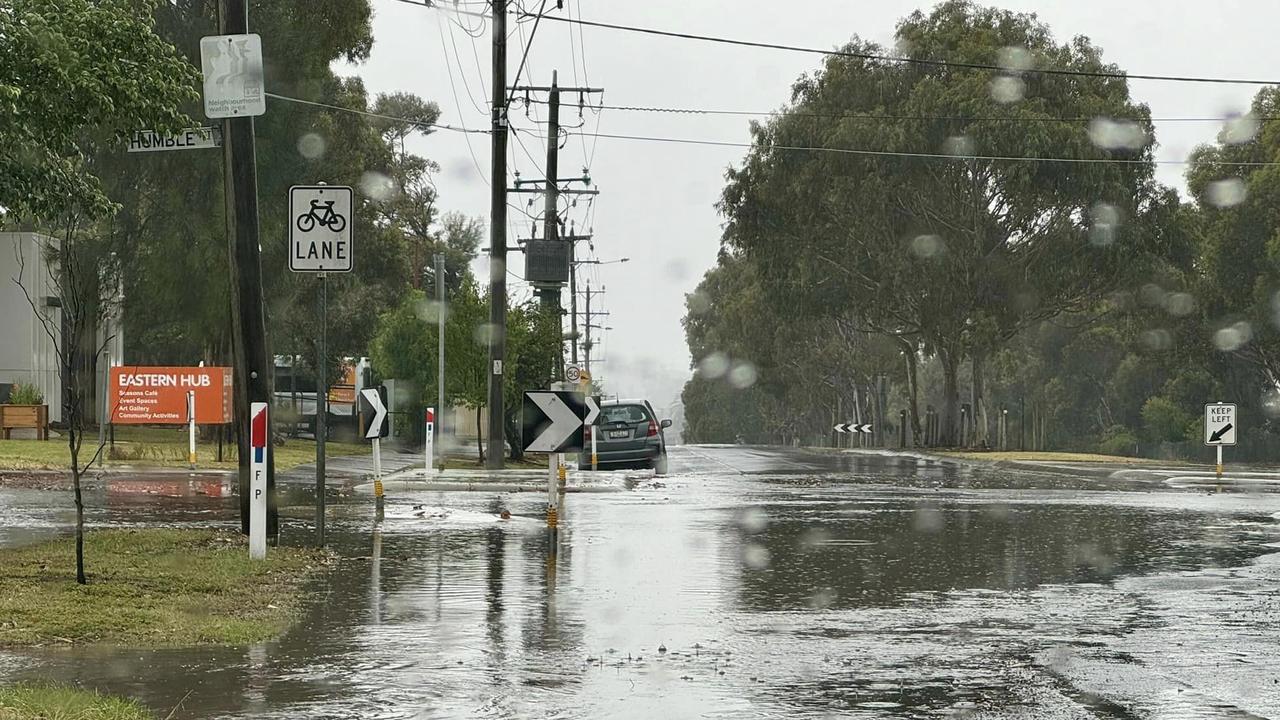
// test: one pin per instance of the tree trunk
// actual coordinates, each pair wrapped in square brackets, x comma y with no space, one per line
[72,432]
[950,398]
[913,392]
[981,433]
[513,432]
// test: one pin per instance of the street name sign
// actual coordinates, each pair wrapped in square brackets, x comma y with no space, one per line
[373,413]
[189,139]
[552,421]
[1220,424]
[232,67]
[320,228]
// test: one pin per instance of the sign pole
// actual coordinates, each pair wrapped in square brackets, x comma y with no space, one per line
[259,431]
[191,428]
[440,318]
[322,406]
[595,459]
[1219,462]
[431,429]
[553,520]
[377,473]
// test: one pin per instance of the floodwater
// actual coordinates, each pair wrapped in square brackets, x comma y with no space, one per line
[753,583]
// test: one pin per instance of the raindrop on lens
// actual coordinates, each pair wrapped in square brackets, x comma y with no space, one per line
[1015,58]
[1233,337]
[483,334]
[1111,134]
[743,375]
[927,519]
[1152,295]
[1271,403]
[1179,303]
[755,557]
[714,366]
[822,598]
[1226,193]
[311,146]
[1104,220]
[927,246]
[958,145]
[1239,129]
[753,520]
[698,302]
[1159,339]
[1007,89]
[377,186]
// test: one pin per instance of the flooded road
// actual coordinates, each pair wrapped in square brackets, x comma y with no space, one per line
[752,583]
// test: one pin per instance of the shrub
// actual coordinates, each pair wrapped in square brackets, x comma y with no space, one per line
[23,394]
[1118,440]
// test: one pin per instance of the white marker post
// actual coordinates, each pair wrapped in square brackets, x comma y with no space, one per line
[431,437]
[191,428]
[595,459]
[259,434]
[553,472]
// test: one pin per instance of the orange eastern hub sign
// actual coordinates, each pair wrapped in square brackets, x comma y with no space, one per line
[158,395]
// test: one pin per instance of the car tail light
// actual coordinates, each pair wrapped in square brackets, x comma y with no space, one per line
[653,428]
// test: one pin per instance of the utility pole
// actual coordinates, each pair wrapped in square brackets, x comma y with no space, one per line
[550,295]
[498,239]
[438,426]
[587,344]
[254,368]
[573,300]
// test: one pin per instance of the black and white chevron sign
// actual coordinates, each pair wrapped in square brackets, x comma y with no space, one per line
[853,427]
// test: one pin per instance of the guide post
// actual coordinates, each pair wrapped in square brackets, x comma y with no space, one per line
[191,428]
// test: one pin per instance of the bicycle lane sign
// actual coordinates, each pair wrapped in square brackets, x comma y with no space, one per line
[320,228]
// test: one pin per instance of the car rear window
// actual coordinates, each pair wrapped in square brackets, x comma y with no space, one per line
[624,414]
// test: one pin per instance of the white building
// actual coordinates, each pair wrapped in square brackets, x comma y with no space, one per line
[28,354]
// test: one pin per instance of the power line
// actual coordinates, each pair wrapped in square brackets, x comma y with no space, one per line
[905,60]
[524,56]
[397,118]
[457,56]
[939,118]
[457,103]
[927,155]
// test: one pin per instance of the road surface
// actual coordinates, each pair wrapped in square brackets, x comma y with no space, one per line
[753,583]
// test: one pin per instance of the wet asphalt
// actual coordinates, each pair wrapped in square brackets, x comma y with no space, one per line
[751,583]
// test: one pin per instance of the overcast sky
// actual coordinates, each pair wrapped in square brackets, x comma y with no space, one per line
[657,200]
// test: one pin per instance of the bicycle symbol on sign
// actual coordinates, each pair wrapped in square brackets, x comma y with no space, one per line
[322,214]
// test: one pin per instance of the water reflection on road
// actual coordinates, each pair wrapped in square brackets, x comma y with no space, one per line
[810,586]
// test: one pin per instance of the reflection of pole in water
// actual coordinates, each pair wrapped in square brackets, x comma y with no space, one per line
[375,571]
[495,554]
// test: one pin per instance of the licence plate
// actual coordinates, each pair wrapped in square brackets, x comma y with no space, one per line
[619,433]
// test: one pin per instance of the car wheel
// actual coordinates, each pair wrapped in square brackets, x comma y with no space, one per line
[660,465]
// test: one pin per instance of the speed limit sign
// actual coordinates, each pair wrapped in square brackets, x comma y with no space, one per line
[572,373]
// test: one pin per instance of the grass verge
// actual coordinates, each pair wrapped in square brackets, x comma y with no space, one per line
[151,588]
[41,702]
[157,447]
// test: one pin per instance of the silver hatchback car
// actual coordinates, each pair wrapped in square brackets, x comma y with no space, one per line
[628,434]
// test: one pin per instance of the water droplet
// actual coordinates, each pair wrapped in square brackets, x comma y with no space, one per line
[753,520]
[958,145]
[1159,339]
[714,366]
[1016,58]
[1179,303]
[377,186]
[1117,134]
[1104,220]
[698,302]
[311,146]
[482,334]
[743,375]
[1233,337]
[1152,295]
[1238,129]
[1008,89]
[755,556]
[429,310]
[927,246]
[1226,193]
[928,519]
[822,598]
[1271,403]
